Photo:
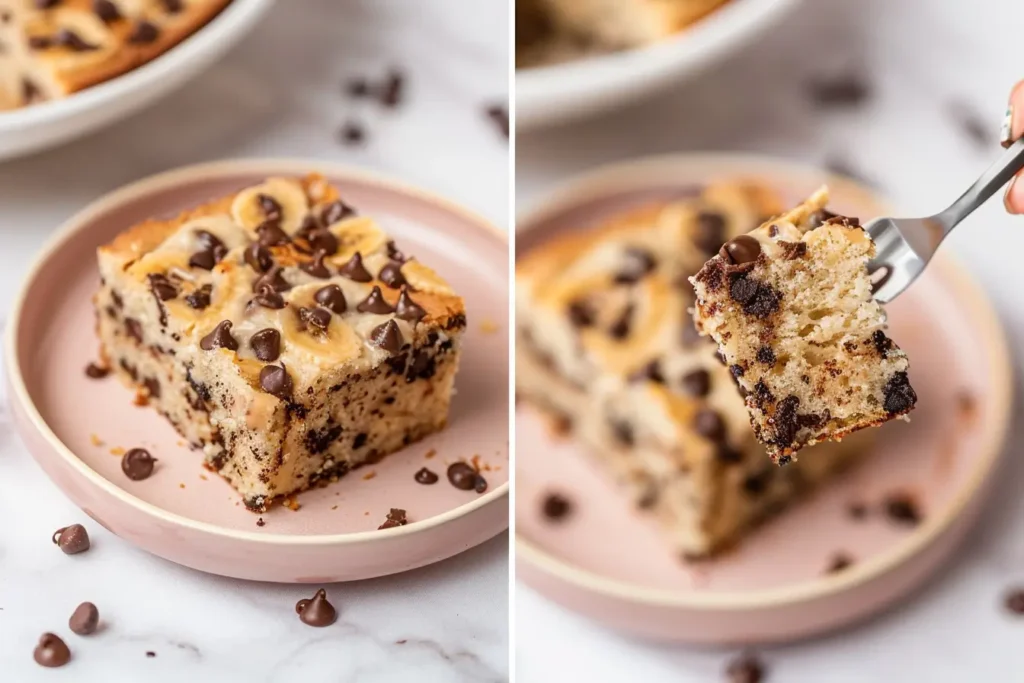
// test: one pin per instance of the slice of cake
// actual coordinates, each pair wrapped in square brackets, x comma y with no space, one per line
[605,342]
[52,48]
[620,24]
[283,334]
[790,306]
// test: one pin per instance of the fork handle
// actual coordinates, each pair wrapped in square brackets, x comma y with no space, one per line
[994,177]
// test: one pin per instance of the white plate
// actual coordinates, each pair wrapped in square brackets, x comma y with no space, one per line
[49,124]
[554,94]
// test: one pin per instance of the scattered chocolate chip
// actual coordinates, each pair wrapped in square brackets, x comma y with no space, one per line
[271,281]
[209,242]
[1014,601]
[355,270]
[766,355]
[358,87]
[842,90]
[746,668]
[316,267]
[902,509]
[638,263]
[819,217]
[899,395]
[425,476]
[51,651]
[334,212]
[651,371]
[133,328]
[375,303]
[152,385]
[271,300]
[387,336]
[407,309]
[882,343]
[163,289]
[556,506]
[709,424]
[359,441]
[72,539]
[391,275]
[499,115]
[137,464]
[580,314]
[275,381]
[316,611]
[352,133]
[325,241]
[332,298]
[266,344]
[150,654]
[271,208]
[395,518]
[72,41]
[710,233]
[200,298]
[623,432]
[270,234]
[857,511]
[462,476]
[697,383]
[84,619]
[742,249]
[391,91]
[481,484]
[219,338]
[94,371]
[395,254]
[106,10]
[258,257]
[144,32]
[621,327]
[840,561]
[202,259]
[173,6]
[260,523]
[315,320]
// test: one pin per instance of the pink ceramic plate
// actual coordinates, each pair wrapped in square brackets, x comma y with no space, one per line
[192,517]
[608,561]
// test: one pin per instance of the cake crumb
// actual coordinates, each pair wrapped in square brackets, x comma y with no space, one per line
[334,507]
[489,326]
[141,398]
[117,450]
[366,514]
[369,475]
[180,443]
[967,406]
[430,454]
[291,503]
[203,477]
[181,485]
[95,440]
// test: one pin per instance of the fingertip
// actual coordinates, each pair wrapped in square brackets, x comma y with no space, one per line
[1013,199]
[1016,112]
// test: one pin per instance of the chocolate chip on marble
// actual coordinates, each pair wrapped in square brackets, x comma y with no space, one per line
[709,424]
[51,651]
[391,90]
[316,611]
[391,275]
[355,270]
[143,33]
[274,380]
[1013,601]
[325,241]
[219,338]
[85,619]
[375,303]
[387,336]
[396,517]
[710,231]
[72,41]
[840,90]
[316,267]
[336,211]
[840,561]
[106,10]
[556,507]
[162,287]
[96,371]
[741,249]
[425,476]
[270,234]
[266,344]
[352,133]
[258,257]
[407,309]
[638,263]
[697,383]
[462,476]
[332,298]
[200,298]
[137,464]
[72,539]
[271,281]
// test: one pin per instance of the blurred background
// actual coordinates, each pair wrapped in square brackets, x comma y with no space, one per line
[908,96]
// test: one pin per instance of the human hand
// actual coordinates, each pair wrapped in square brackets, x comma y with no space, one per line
[1012,130]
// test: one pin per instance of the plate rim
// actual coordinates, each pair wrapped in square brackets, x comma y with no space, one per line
[162,181]
[636,173]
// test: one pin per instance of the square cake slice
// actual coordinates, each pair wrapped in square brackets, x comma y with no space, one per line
[283,334]
[618,24]
[790,306]
[50,49]
[605,342]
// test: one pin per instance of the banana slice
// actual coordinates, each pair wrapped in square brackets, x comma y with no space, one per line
[283,195]
[357,234]
[93,42]
[424,278]
[337,344]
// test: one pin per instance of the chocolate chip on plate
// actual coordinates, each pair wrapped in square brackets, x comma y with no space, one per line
[392,88]
[375,303]
[426,476]
[499,115]
[407,309]
[391,275]
[902,509]
[316,611]
[556,506]
[352,133]
[840,561]
[51,651]
[480,485]
[742,249]
[387,336]
[746,668]
[84,619]
[395,518]
[1014,601]
[462,476]
[137,464]
[72,539]
[275,381]
[219,338]
[96,371]
[355,270]
[266,344]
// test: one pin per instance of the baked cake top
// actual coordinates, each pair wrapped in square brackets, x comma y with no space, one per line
[790,305]
[283,273]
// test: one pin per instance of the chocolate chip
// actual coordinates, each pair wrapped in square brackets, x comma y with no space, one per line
[623,432]
[900,397]
[316,611]
[106,10]
[766,355]
[316,267]
[325,241]
[162,287]
[387,337]
[359,441]
[352,133]
[173,6]
[358,87]
[817,218]
[137,464]
[391,275]
[315,320]
[857,511]
[271,208]
[396,517]
[271,300]
[710,231]
[355,270]
[742,249]
[556,506]
[375,303]
[84,619]
[200,298]
[394,253]
[94,371]
[481,484]
[144,32]
[736,370]
[425,476]
[270,234]
[407,309]
[72,539]
[697,383]
[746,668]
[756,484]
[258,257]
[902,509]
[220,337]
[651,371]
[332,298]
[758,299]
[152,385]
[51,651]
[46,4]
[842,90]
[743,290]
[40,42]
[334,212]
[462,476]
[1014,601]
[840,561]
[785,422]
[271,281]
[30,92]
[202,259]
[709,424]
[72,41]
[275,381]
[133,328]
[882,343]
[391,92]
[266,344]
[580,314]
[792,251]
[499,115]
[638,263]
[727,454]
[621,327]
[309,226]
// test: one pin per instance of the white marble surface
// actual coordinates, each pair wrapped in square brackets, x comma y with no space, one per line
[920,55]
[278,94]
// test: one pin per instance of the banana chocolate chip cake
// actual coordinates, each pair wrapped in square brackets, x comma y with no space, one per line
[52,48]
[280,332]
[605,342]
[790,306]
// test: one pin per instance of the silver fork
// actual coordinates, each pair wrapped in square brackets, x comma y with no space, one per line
[906,245]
